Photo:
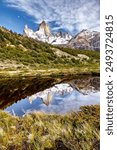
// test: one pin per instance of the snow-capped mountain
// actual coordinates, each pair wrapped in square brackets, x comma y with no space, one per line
[85,40]
[44,34]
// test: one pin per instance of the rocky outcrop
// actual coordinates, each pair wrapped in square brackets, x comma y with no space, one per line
[85,40]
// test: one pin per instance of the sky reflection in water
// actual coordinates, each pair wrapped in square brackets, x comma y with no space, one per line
[69,101]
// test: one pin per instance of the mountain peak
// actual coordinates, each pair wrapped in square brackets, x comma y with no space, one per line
[86,39]
[43,23]
[44,34]
[44,29]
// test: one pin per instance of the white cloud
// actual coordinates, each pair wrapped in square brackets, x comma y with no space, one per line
[73,15]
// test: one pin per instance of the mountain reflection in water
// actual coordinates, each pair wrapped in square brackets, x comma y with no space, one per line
[60,98]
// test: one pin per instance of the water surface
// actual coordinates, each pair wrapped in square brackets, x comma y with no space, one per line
[60,98]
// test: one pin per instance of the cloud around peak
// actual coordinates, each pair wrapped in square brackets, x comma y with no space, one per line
[72,15]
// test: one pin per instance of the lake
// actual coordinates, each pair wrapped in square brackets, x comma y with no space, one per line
[59,95]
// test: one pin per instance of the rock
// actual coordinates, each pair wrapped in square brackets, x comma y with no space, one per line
[85,40]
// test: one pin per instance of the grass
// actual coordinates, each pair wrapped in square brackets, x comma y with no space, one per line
[39,131]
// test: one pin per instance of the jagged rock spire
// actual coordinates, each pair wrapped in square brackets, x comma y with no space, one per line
[44,28]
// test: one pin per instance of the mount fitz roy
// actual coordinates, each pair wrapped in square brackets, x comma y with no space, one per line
[44,34]
[85,40]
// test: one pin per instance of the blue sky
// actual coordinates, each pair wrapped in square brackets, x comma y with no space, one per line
[68,15]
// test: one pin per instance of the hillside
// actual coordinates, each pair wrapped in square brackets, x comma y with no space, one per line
[19,53]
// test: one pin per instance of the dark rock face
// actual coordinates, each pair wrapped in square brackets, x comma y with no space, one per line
[85,40]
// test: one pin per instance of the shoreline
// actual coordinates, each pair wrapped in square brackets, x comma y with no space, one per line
[53,72]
